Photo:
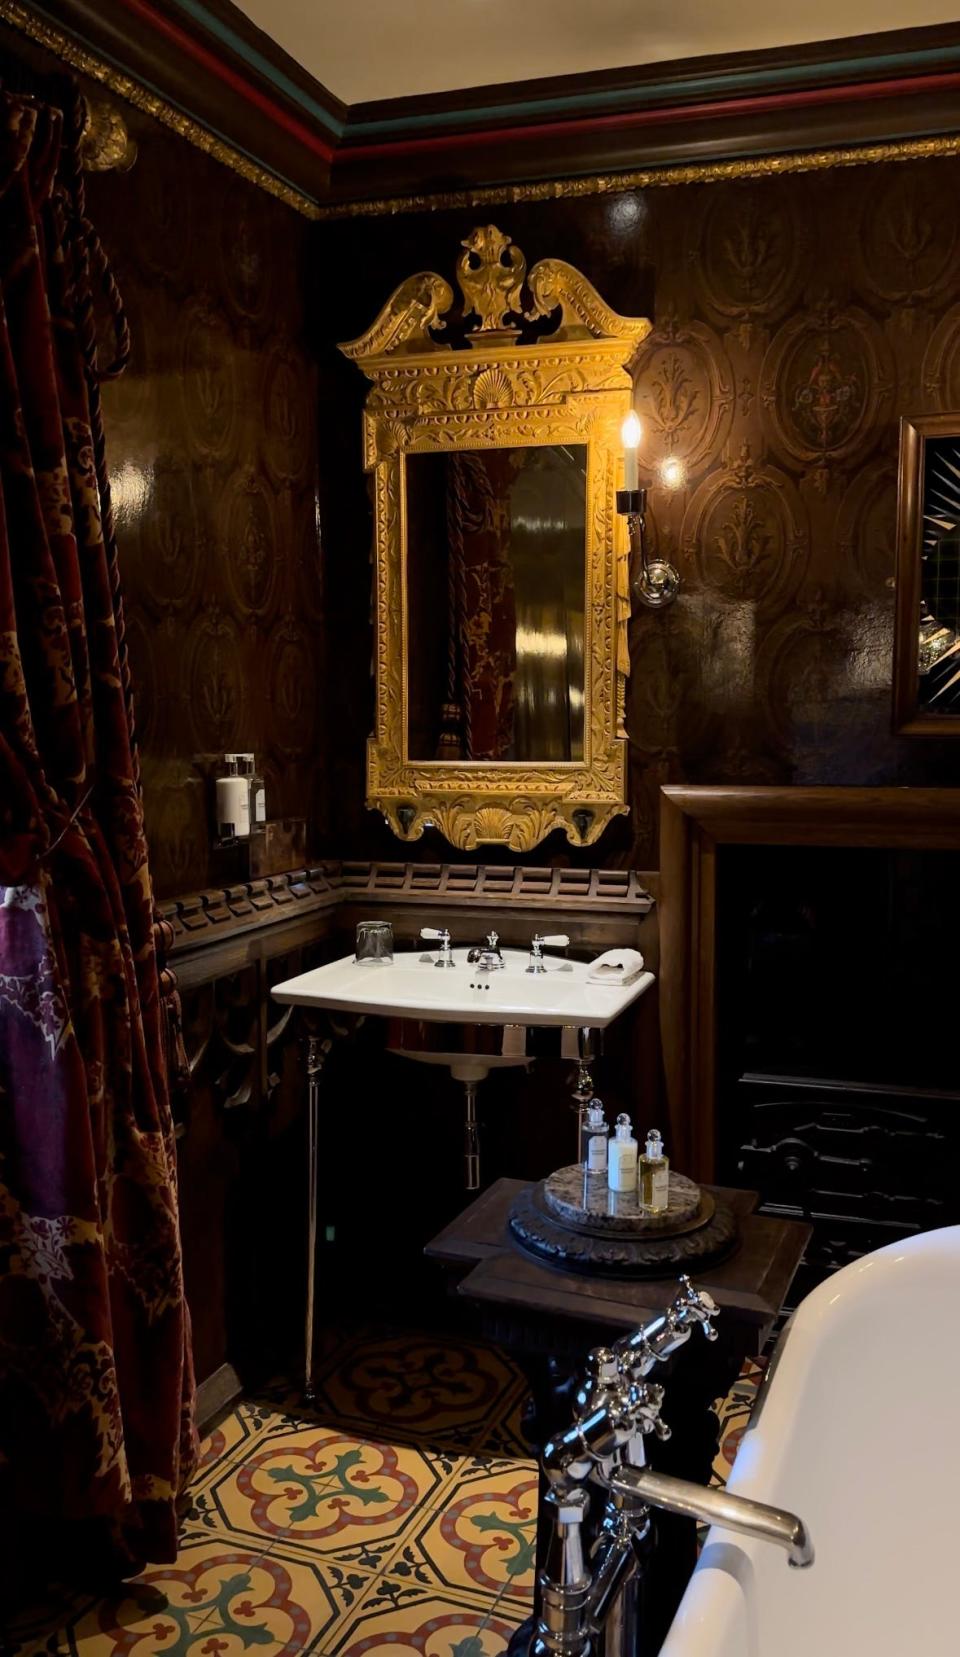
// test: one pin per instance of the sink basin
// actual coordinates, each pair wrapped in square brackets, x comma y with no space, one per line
[411,987]
[470,1021]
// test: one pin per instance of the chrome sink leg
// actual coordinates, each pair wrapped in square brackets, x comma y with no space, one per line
[316,1055]
[583,1093]
[471,1137]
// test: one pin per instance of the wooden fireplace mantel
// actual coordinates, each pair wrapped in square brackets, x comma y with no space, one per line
[693,823]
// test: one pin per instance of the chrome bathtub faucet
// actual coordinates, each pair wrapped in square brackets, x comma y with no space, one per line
[586,1606]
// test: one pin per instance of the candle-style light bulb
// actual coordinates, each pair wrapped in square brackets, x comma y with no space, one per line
[630,434]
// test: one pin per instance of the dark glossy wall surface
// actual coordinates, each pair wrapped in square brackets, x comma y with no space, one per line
[211,439]
[796,319]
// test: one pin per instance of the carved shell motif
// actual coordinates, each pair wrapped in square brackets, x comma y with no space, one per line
[491,389]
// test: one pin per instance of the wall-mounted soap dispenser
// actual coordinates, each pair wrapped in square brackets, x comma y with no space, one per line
[232,801]
[258,791]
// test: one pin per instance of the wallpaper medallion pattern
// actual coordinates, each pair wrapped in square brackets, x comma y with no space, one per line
[796,319]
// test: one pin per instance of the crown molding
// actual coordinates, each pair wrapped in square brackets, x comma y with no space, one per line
[204,70]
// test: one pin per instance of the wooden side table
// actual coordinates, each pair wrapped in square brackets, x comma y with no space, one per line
[550,1319]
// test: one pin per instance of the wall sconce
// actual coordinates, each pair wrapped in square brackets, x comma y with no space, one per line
[657,583]
[105,144]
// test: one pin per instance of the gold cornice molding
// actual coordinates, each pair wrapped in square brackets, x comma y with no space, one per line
[600,184]
[69,51]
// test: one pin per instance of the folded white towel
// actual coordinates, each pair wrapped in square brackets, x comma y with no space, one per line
[616,966]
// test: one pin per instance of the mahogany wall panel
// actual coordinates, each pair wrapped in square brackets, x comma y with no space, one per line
[212,446]
[796,319]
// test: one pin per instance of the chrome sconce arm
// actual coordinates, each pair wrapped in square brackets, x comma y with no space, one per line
[656,583]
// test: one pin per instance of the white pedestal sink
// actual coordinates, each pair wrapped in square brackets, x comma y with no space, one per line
[411,986]
[467,1018]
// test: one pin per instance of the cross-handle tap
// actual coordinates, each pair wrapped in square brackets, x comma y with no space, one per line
[440,935]
[555,940]
[654,1342]
[614,1404]
[612,1414]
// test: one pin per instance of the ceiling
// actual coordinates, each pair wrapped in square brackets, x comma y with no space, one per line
[369,49]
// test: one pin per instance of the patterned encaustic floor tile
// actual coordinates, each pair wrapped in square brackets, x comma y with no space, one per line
[483,1540]
[217,1601]
[415,1387]
[326,1494]
[223,1449]
[504,1435]
[734,1414]
[427,1624]
[397,1517]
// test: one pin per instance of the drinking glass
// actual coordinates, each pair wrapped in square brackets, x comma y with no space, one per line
[374,941]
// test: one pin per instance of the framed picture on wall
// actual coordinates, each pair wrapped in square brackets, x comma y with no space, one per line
[926,661]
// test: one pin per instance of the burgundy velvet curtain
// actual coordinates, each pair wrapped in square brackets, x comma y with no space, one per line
[96,1387]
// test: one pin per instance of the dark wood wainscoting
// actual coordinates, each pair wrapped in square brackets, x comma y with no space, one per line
[239,1092]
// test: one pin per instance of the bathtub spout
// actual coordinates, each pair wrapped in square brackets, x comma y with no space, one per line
[717,1507]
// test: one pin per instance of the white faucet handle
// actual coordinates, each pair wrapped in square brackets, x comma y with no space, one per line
[556,940]
[439,932]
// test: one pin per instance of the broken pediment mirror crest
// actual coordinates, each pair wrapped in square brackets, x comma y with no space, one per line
[491,431]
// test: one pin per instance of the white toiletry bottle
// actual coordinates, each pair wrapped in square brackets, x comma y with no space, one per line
[595,1131]
[622,1157]
[233,802]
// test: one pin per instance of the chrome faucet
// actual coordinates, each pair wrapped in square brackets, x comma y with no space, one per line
[488,956]
[587,1609]
[440,935]
[556,940]
[718,1507]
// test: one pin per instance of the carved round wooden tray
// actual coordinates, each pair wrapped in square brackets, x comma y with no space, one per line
[699,1241]
[583,1200]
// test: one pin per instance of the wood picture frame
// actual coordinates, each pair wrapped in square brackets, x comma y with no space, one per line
[694,822]
[914,512]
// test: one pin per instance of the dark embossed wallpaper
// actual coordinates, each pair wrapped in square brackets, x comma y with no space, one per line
[796,319]
[212,445]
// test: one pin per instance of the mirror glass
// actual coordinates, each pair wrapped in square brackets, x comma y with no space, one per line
[496,579]
[939,654]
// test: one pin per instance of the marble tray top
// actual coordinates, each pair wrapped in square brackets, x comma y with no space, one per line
[583,1200]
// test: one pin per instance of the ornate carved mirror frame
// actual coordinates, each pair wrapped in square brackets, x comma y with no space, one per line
[570,385]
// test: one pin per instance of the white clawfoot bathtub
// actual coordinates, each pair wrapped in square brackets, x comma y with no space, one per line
[858,1432]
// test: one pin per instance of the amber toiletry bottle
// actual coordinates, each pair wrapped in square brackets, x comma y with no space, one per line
[654,1175]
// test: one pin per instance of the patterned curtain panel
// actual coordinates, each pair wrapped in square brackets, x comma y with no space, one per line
[96,1387]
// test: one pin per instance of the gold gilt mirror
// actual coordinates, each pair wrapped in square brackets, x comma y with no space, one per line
[501,579]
